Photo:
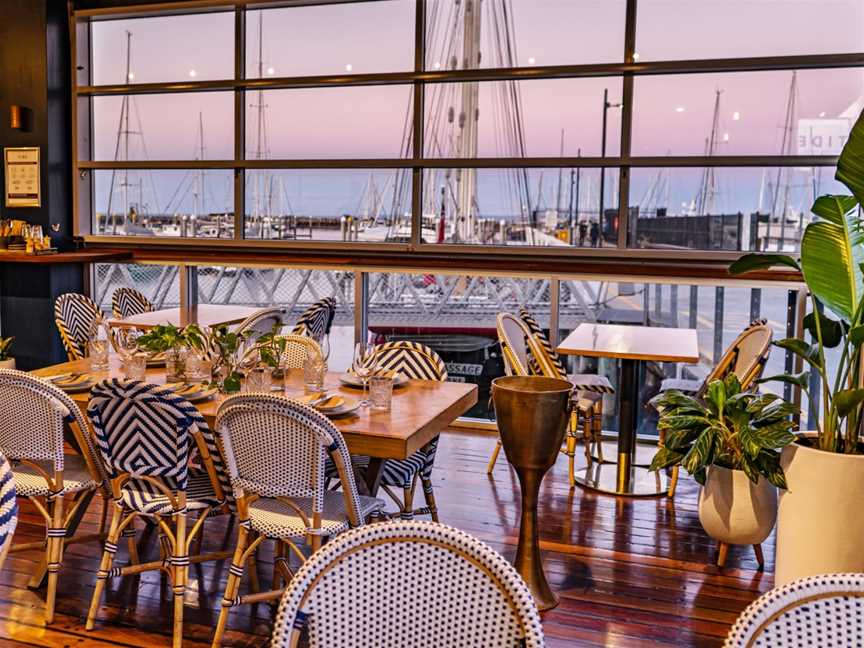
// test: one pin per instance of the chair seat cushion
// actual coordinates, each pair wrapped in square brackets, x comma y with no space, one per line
[398,473]
[76,477]
[140,495]
[591,383]
[275,519]
[684,385]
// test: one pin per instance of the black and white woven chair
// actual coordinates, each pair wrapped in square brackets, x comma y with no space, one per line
[745,357]
[147,435]
[408,584]
[275,449]
[8,508]
[418,362]
[33,418]
[825,611]
[77,317]
[126,302]
[260,323]
[525,354]
[316,320]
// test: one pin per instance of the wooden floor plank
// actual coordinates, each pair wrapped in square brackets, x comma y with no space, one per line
[628,572]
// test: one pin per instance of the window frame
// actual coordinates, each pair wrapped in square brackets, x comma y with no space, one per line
[420,79]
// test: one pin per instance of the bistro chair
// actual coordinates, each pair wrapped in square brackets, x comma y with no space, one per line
[409,584]
[8,508]
[275,449]
[147,435]
[77,317]
[33,418]
[522,349]
[824,611]
[316,320]
[260,323]
[745,357]
[126,302]
[418,362]
[297,349]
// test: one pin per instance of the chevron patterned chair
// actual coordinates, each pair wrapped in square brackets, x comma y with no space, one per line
[275,449]
[33,417]
[126,302]
[528,352]
[146,436]
[407,584]
[316,320]
[8,508]
[418,362]
[76,317]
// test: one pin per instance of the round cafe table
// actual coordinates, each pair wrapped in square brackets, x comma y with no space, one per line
[631,345]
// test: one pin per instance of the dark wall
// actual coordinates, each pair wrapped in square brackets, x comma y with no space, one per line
[35,74]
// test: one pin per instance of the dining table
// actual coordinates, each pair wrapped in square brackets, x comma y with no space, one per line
[420,410]
[202,314]
[631,345]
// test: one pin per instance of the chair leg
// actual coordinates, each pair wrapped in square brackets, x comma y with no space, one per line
[491,466]
[235,574]
[180,564]
[673,482]
[252,566]
[597,431]
[54,550]
[429,496]
[407,512]
[571,458]
[131,544]
[722,552]
[760,557]
[103,517]
[105,566]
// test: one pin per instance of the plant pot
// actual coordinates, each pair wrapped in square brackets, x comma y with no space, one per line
[820,528]
[734,510]
[8,363]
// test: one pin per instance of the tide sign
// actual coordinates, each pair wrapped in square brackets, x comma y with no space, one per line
[822,136]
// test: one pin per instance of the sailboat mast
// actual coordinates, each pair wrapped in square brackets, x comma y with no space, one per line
[708,190]
[126,126]
[466,179]
[786,149]
[560,176]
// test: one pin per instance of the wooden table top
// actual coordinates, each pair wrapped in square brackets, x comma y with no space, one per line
[632,343]
[420,410]
[204,314]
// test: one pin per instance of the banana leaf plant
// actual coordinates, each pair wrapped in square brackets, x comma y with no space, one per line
[832,264]
[730,428]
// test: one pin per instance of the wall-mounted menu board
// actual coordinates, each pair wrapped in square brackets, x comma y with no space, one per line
[22,176]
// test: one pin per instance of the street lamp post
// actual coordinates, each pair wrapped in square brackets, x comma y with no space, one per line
[606,107]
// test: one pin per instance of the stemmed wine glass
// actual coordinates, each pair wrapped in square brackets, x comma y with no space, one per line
[127,342]
[363,366]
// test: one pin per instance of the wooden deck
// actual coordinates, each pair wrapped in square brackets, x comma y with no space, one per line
[633,572]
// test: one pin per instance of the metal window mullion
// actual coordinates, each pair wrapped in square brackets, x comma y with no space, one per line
[626,126]
[239,124]
[361,306]
[418,124]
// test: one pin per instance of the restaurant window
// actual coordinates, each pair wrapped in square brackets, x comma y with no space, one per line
[553,207]
[193,203]
[371,205]
[160,284]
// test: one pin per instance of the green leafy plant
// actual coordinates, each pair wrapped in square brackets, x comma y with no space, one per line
[226,346]
[270,347]
[733,429]
[832,263]
[5,347]
[162,338]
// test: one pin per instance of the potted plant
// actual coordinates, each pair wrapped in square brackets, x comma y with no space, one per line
[820,528]
[730,444]
[6,360]
[227,348]
[269,349]
[169,340]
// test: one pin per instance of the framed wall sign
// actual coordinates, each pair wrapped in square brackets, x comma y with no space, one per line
[22,176]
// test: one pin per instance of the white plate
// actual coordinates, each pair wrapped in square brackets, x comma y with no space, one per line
[203,395]
[77,388]
[353,381]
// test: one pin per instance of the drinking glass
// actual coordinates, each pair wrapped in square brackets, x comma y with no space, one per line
[175,364]
[380,393]
[97,351]
[134,366]
[314,369]
[127,341]
[199,368]
[363,366]
[259,379]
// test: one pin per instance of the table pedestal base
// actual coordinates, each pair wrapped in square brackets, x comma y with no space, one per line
[641,482]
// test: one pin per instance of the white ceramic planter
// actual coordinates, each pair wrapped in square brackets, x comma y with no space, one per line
[734,510]
[9,363]
[820,525]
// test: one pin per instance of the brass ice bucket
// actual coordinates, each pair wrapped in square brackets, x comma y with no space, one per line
[532,414]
